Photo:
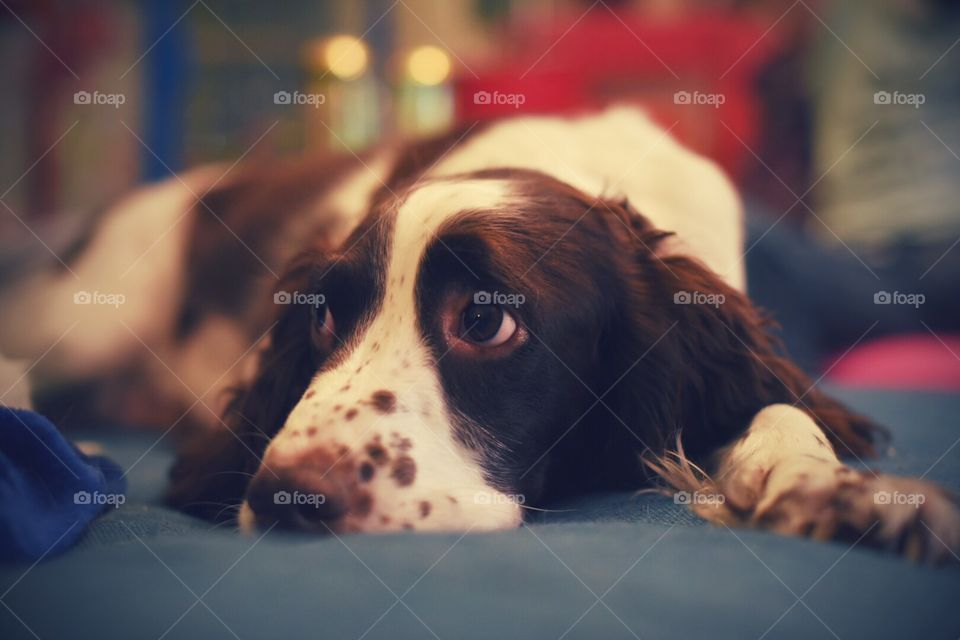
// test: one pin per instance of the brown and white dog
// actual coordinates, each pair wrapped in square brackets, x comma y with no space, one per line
[418,337]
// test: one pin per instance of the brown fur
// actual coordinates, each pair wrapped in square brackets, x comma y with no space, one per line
[725,363]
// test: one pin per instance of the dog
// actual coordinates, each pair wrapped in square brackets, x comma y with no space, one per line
[437,335]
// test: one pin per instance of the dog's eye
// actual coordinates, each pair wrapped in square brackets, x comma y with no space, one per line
[486,325]
[322,320]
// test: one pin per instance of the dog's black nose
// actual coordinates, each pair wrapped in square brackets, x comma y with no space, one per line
[309,496]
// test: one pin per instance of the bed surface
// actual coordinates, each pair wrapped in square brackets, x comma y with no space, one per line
[613,566]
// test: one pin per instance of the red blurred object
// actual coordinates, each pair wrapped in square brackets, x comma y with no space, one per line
[608,57]
[916,361]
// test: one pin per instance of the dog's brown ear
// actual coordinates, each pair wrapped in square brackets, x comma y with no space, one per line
[210,474]
[700,358]
[214,466]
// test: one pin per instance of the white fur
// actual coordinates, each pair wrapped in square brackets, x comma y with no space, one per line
[777,432]
[138,254]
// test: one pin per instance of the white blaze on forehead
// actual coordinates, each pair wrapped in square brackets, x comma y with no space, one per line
[339,414]
[425,210]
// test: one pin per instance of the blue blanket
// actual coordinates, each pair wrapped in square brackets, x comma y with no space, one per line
[49,490]
[615,566]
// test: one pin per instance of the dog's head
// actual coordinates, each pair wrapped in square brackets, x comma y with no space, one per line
[479,344]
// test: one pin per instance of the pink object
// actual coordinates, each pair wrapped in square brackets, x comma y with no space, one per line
[913,361]
[581,62]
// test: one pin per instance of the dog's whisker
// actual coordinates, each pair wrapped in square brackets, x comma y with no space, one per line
[227,508]
[541,509]
[231,473]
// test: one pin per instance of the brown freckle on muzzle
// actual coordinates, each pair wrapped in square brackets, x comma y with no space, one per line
[350,414]
[404,471]
[366,472]
[384,401]
[361,504]
[424,509]
[378,453]
[399,442]
[310,394]
[311,431]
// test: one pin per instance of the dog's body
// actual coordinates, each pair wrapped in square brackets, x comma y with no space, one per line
[524,309]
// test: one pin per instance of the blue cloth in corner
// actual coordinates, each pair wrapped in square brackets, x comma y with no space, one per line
[49,490]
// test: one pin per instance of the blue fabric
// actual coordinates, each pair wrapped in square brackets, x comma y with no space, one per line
[49,490]
[661,573]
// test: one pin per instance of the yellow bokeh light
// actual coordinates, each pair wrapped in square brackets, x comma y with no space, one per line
[428,65]
[345,56]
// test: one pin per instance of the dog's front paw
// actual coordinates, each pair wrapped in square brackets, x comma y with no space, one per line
[915,517]
[823,499]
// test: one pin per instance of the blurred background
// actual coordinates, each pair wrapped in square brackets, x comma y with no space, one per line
[839,121]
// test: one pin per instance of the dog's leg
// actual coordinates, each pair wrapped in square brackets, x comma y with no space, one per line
[783,475]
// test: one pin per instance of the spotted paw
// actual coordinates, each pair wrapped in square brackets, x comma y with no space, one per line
[825,500]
